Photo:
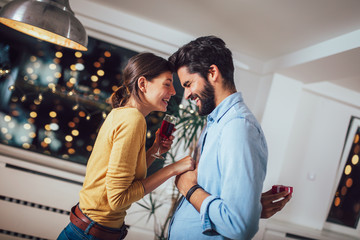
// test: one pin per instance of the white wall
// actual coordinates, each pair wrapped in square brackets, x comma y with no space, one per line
[306,127]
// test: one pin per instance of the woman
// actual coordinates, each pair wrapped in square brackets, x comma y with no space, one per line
[116,170]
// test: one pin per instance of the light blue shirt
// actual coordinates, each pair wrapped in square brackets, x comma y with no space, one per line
[232,169]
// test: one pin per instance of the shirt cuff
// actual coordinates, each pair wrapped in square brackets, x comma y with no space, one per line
[207,226]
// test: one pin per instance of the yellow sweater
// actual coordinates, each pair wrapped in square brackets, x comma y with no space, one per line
[115,168]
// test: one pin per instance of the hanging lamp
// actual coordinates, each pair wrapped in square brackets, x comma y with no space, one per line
[49,20]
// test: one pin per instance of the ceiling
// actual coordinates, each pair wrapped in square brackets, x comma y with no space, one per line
[264,29]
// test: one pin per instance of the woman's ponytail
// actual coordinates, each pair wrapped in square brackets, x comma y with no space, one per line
[120,97]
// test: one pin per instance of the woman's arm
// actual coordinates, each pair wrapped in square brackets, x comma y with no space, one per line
[156,179]
[149,155]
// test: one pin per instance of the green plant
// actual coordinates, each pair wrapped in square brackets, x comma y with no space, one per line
[189,125]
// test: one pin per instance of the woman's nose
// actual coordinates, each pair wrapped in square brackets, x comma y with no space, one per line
[172,90]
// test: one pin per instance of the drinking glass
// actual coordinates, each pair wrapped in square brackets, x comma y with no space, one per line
[166,130]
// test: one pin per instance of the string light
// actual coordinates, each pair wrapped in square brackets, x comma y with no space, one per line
[100,73]
[63,83]
[75,132]
[52,114]
[78,54]
[33,114]
[107,54]
[59,54]
[4,72]
[94,78]
[68,138]
[52,66]
[32,135]
[75,107]
[37,102]
[4,130]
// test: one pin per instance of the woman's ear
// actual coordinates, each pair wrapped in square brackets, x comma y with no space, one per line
[142,84]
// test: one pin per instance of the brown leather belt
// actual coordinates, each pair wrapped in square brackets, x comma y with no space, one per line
[82,222]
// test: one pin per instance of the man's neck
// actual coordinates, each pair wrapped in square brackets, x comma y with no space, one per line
[221,94]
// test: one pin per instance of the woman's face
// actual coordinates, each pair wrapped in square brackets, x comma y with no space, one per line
[159,91]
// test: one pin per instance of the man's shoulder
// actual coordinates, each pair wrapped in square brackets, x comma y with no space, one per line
[239,114]
[238,111]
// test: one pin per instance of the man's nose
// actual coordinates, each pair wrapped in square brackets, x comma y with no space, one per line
[187,94]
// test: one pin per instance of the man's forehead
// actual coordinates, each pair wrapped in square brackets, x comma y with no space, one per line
[183,74]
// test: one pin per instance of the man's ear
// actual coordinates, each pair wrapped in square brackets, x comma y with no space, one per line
[213,74]
[142,84]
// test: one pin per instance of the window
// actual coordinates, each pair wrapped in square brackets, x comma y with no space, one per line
[53,99]
[345,207]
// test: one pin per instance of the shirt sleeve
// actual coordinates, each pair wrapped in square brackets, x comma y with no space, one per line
[128,137]
[242,161]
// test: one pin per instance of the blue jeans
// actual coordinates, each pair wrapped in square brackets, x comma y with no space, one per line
[72,232]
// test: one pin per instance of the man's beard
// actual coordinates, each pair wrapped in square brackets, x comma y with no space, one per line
[207,100]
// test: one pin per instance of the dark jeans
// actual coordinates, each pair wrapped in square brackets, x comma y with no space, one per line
[72,232]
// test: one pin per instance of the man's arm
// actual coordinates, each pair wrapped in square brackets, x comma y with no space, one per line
[185,181]
[235,211]
[271,203]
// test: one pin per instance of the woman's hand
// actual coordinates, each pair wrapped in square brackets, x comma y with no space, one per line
[159,177]
[183,165]
[164,144]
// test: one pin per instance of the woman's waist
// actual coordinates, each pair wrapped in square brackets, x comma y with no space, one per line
[103,214]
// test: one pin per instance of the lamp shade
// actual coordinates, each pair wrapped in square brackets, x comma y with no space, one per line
[49,20]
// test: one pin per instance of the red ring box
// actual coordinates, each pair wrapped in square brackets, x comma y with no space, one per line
[281,188]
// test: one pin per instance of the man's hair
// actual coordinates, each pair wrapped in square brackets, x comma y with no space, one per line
[199,54]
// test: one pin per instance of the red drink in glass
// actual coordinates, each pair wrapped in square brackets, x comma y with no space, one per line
[166,129]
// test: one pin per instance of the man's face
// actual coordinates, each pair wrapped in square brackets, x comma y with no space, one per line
[197,89]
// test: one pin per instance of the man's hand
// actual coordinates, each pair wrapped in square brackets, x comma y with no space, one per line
[186,180]
[272,203]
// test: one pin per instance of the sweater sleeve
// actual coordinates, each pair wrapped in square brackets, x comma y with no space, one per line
[128,139]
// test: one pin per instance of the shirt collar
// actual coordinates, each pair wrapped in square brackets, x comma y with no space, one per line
[224,106]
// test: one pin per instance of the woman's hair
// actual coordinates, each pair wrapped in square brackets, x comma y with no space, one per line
[199,54]
[143,64]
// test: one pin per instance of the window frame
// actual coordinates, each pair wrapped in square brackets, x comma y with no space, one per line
[353,126]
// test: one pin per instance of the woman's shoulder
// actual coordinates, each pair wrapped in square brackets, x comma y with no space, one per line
[128,114]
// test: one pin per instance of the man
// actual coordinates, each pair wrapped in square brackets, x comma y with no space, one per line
[223,193]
